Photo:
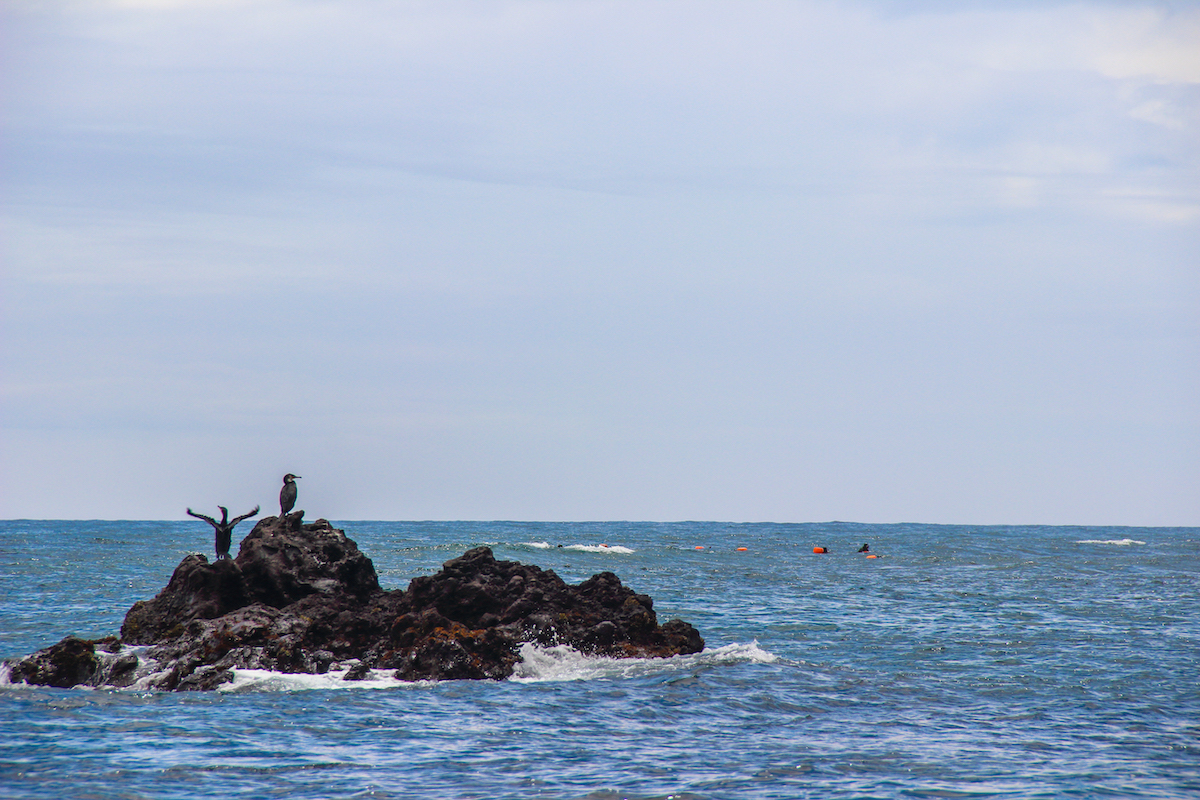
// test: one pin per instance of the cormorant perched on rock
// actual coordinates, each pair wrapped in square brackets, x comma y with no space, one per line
[224,528]
[287,495]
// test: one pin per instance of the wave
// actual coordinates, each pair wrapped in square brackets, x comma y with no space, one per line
[537,665]
[144,673]
[563,663]
[585,548]
[262,680]
[1119,542]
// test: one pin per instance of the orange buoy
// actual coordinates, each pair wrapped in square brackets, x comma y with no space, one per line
[743,548]
[699,547]
[872,555]
[820,550]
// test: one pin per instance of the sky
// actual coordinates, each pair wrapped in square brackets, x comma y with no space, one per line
[863,260]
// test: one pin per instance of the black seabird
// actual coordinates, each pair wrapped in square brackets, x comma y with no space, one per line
[224,528]
[287,495]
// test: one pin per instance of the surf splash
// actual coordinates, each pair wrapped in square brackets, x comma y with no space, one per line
[582,548]
[562,663]
[261,680]
[537,665]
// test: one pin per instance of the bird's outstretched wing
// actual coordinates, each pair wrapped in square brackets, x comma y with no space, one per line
[236,520]
[209,520]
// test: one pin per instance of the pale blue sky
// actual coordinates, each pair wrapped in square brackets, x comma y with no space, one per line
[790,261]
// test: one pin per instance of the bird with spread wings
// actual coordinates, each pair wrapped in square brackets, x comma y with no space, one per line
[224,528]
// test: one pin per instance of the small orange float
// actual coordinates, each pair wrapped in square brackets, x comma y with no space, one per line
[872,555]
[743,548]
[820,550]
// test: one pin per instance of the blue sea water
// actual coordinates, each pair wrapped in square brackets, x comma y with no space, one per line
[963,662]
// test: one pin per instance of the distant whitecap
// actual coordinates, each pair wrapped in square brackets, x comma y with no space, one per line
[599,548]
[582,548]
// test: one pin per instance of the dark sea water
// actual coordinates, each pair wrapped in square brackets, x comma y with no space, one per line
[964,661]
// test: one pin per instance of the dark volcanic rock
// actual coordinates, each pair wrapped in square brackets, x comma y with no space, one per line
[197,590]
[69,663]
[280,562]
[284,560]
[599,615]
[303,598]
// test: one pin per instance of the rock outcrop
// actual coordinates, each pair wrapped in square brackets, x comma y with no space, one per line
[303,598]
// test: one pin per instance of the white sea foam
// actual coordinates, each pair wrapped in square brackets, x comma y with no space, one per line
[1119,542]
[563,663]
[262,680]
[599,548]
[584,548]
[538,664]
[143,674]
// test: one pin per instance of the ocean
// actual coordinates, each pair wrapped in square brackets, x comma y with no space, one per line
[961,662]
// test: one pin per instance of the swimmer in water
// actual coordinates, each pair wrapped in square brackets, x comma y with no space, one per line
[866,548]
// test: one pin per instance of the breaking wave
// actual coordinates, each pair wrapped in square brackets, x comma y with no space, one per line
[538,664]
[583,548]
[563,663]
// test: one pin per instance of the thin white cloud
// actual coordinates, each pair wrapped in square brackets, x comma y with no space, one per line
[1146,44]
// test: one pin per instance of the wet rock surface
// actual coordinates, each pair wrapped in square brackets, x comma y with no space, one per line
[301,597]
